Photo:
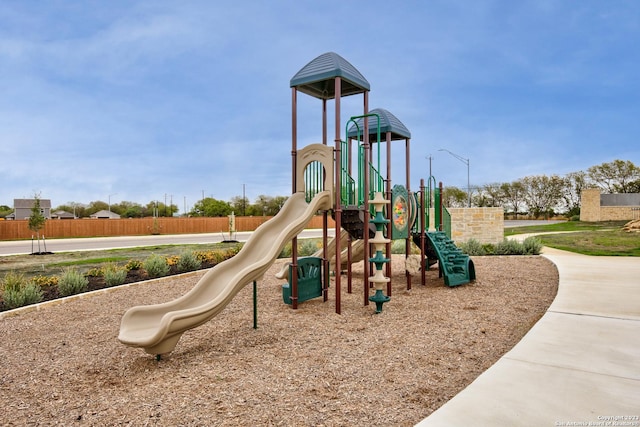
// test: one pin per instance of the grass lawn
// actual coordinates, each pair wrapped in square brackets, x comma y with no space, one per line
[588,238]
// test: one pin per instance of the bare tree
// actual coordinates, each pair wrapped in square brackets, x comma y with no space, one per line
[514,195]
[490,195]
[542,194]
[617,176]
[574,183]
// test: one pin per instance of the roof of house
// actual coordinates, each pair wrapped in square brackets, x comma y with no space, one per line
[62,214]
[28,203]
[105,214]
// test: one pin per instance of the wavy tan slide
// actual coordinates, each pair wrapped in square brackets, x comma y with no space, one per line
[158,328]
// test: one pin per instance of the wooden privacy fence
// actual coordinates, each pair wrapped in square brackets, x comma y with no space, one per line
[60,228]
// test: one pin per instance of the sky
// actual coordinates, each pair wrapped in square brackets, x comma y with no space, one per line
[175,100]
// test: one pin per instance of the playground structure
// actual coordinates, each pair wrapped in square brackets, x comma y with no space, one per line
[327,179]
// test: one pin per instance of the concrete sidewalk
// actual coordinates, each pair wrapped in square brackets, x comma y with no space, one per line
[578,366]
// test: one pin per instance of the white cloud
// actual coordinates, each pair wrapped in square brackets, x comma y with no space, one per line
[146,98]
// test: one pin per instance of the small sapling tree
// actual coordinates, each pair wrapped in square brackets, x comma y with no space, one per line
[36,219]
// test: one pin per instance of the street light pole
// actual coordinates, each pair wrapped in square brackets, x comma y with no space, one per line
[466,162]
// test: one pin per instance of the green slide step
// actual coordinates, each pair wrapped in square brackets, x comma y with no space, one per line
[456,266]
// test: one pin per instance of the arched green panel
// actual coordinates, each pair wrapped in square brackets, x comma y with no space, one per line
[400,214]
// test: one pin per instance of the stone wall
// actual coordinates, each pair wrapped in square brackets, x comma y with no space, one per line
[592,210]
[485,225]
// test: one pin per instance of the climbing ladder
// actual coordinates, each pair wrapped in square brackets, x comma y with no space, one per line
[454,265]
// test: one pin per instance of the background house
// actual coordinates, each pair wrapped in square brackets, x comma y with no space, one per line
[62,215]
[103,214]
[22,208]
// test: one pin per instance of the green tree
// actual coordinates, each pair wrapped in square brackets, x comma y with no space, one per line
[151,209]
[263,206]
[96,206]
[78,209]
[36,219]
[239,205]
[155,208]
[211,207]
[266,205]
[634,187]
[131,210]
[617,176]
[453,197]
[5,210]
[276,204]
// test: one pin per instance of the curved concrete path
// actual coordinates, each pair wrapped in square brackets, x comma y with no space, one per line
[578,366]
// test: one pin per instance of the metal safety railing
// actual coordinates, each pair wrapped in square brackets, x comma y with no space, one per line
[446,222]
[376,180]
[347,183]
[313,180]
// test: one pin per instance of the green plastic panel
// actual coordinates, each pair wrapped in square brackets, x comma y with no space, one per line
[400,212]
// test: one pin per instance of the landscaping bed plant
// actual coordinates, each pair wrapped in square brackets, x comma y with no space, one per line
[16,290]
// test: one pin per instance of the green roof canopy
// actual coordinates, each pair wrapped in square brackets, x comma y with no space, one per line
[317,78]
[388,123]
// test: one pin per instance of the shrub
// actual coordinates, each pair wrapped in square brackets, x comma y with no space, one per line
[473,247]
[12,281]
[72,282]
[156,266]
[218,256]
[509,247]
[532,246]
[397,246]
[208,257]
[173,260]
[231,252]
[45,282]
[188,261]
[17,292]
[286,251]
[133,264]
[307,247]
[114,275]
[95,272]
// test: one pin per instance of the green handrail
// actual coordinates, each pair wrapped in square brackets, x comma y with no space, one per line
[313,180]
[376,182]
[430,188]
[446,222]
[348,184]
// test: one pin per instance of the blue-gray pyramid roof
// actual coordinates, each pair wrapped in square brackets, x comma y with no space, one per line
[388,123]
[317,78]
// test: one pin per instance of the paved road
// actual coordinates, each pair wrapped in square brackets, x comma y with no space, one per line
[16,247]
[526,223]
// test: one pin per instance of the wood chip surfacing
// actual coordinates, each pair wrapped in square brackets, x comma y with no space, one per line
[63,364]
